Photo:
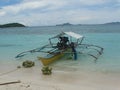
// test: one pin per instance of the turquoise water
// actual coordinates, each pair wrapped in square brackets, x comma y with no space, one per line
[16,40]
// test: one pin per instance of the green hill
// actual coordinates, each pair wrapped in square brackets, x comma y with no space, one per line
[12,25]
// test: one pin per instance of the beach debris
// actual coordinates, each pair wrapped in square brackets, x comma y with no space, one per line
[13,82]
[28,64]
[18,66]
[26,86]
[46,70]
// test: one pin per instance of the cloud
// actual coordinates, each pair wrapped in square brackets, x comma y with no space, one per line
[31,6]
[94,2]
[23,7]
[2,13]
[47,12]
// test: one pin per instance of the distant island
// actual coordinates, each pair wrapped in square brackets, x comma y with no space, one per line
[113,23]
[64,24]
[69,24]
[12,25]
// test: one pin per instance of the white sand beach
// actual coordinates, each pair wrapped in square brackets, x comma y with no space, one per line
[33,79]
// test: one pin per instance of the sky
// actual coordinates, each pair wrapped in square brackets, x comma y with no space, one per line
[52,12]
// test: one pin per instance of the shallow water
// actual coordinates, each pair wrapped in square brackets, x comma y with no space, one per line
[16,40]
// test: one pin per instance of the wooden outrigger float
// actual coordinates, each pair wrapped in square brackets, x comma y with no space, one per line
[62,44]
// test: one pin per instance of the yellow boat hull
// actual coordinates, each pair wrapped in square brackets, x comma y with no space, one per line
[47,61]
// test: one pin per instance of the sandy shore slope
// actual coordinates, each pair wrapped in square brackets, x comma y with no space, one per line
[33,79]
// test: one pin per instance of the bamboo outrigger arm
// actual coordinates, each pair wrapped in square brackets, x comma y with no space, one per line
[34,50]
[90,45]
[94,47]
[30,51]
[96,57]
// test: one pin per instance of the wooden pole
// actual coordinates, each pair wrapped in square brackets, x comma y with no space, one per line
[13,82]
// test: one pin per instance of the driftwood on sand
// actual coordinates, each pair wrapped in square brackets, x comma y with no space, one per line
[13,82]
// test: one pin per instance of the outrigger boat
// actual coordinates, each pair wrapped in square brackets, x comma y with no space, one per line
[63,44]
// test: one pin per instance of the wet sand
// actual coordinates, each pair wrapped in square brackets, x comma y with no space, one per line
[33,79]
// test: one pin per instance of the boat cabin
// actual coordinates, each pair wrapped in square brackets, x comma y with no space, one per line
[65,39]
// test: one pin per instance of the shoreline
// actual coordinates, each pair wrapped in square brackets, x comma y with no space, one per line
[33,79]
